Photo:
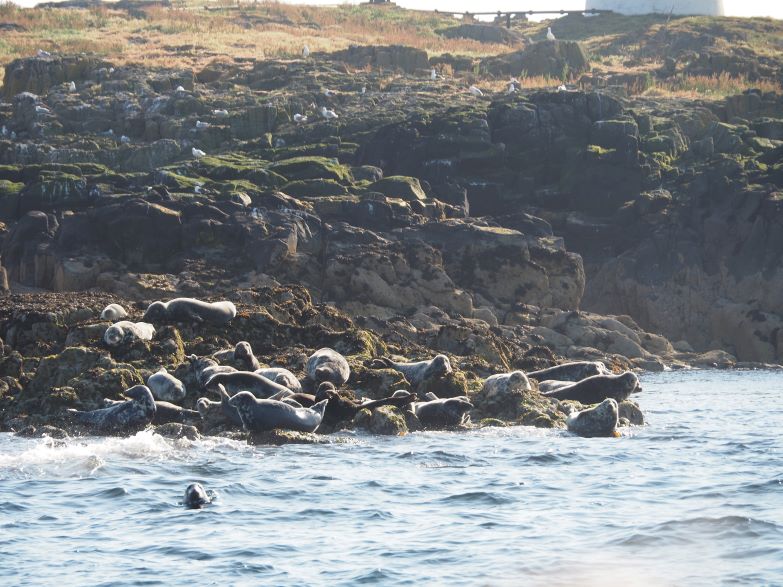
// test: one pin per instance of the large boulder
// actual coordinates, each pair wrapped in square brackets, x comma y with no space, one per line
[558,59]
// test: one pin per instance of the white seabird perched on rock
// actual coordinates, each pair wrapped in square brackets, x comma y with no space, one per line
[124,140]
[328,114]
[71,86]
[549,34]
[197,153]
[42,110]
[475,91]
[200,124]
[179,89]
[300,118]
[433,74]
[220,113]
[42,53]
[305,51]
[329,93]
[561,88]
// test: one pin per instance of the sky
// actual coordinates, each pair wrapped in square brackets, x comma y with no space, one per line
[772,8]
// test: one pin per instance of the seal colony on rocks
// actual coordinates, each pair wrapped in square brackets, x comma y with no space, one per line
[191,309]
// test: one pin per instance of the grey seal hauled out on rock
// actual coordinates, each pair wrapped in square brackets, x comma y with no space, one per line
[191,309]
[282,377]
[197,497]
[260,415]
[165,387]
[575,371]
[125,332]
[442,413]
[328,365]
[127,416]
[419,371]
[167,413]
[597,388]
[600,420]
[203,368]
[237,381]
[113,312]
[244,352]
[502,384]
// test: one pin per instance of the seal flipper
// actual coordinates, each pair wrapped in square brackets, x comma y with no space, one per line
[319,409]
[430,397]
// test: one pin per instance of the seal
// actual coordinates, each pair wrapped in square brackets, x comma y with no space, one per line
[237,381]
[197,497]
[328,365]
[244,352]
[165,387]
[341,408]
[597,388]
[416,373]
[260,415]
[552,385]
[127,416]
[442,413]
[600,420]
[167,413]
[113,312]
[218,413]
[125,332]
[575,371]
[203,368]
[503,384]
[282,377]
[191,309]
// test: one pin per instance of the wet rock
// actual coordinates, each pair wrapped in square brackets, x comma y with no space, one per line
[176,431]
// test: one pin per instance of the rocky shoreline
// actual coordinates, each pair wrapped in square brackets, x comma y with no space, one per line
[513,230]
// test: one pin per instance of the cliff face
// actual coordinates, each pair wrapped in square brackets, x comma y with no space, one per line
[418,195]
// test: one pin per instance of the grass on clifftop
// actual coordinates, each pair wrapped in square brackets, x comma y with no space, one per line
[190,34]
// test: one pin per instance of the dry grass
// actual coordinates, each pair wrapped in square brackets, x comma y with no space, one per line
[709,87]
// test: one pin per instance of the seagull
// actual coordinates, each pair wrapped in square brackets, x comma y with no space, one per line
[475,91]
[200,124]
[561,88]
[42,110]
[42,53]
[72,87]
[305,51]
[433,74]
[328,93]
[197,153]
[124,140]
[197,188]
[511,88]
[279,143]
[300,119]
[4,131]
[363,90]
[549,35]
[220,113]
[111,70]
[328,114]
[179,89]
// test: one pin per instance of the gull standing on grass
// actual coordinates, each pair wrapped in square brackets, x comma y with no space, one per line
[549,35]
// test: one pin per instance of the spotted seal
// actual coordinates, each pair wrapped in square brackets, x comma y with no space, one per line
[282,377]
[237,381]
[575,371]
[328,365]
[600,420]
[597,388]
[127,416]
[244,352]
[125,332]
[503,384]
[197,497]
[113,312]
[259,415]
[552,385]
[191,309]
[442,413]
[420,371]
[165,387]
[167,413]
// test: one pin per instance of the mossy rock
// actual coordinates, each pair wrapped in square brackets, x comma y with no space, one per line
[234,166]
[314,188]
[386,421]
[453,384]
[98,384]
[491,423]
[400,186]
[10,188]
[58,370]
[312,168]
[375,383]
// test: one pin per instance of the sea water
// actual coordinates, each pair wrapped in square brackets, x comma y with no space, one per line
[695,497]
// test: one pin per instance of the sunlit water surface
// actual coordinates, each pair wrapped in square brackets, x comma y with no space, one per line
[693,498]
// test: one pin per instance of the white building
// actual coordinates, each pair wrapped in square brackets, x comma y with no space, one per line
[703,7]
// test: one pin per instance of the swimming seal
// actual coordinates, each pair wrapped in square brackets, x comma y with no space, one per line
[282,377]
[197,497]
[597,388]
[127,416]
[260,415]
[600,420]
[503,384]
[238,381]
[165,387]
[191,309]
[575,371]
[420,371]
[125,332]
[328,365]
[442,413]
[244,352]
[113,312]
